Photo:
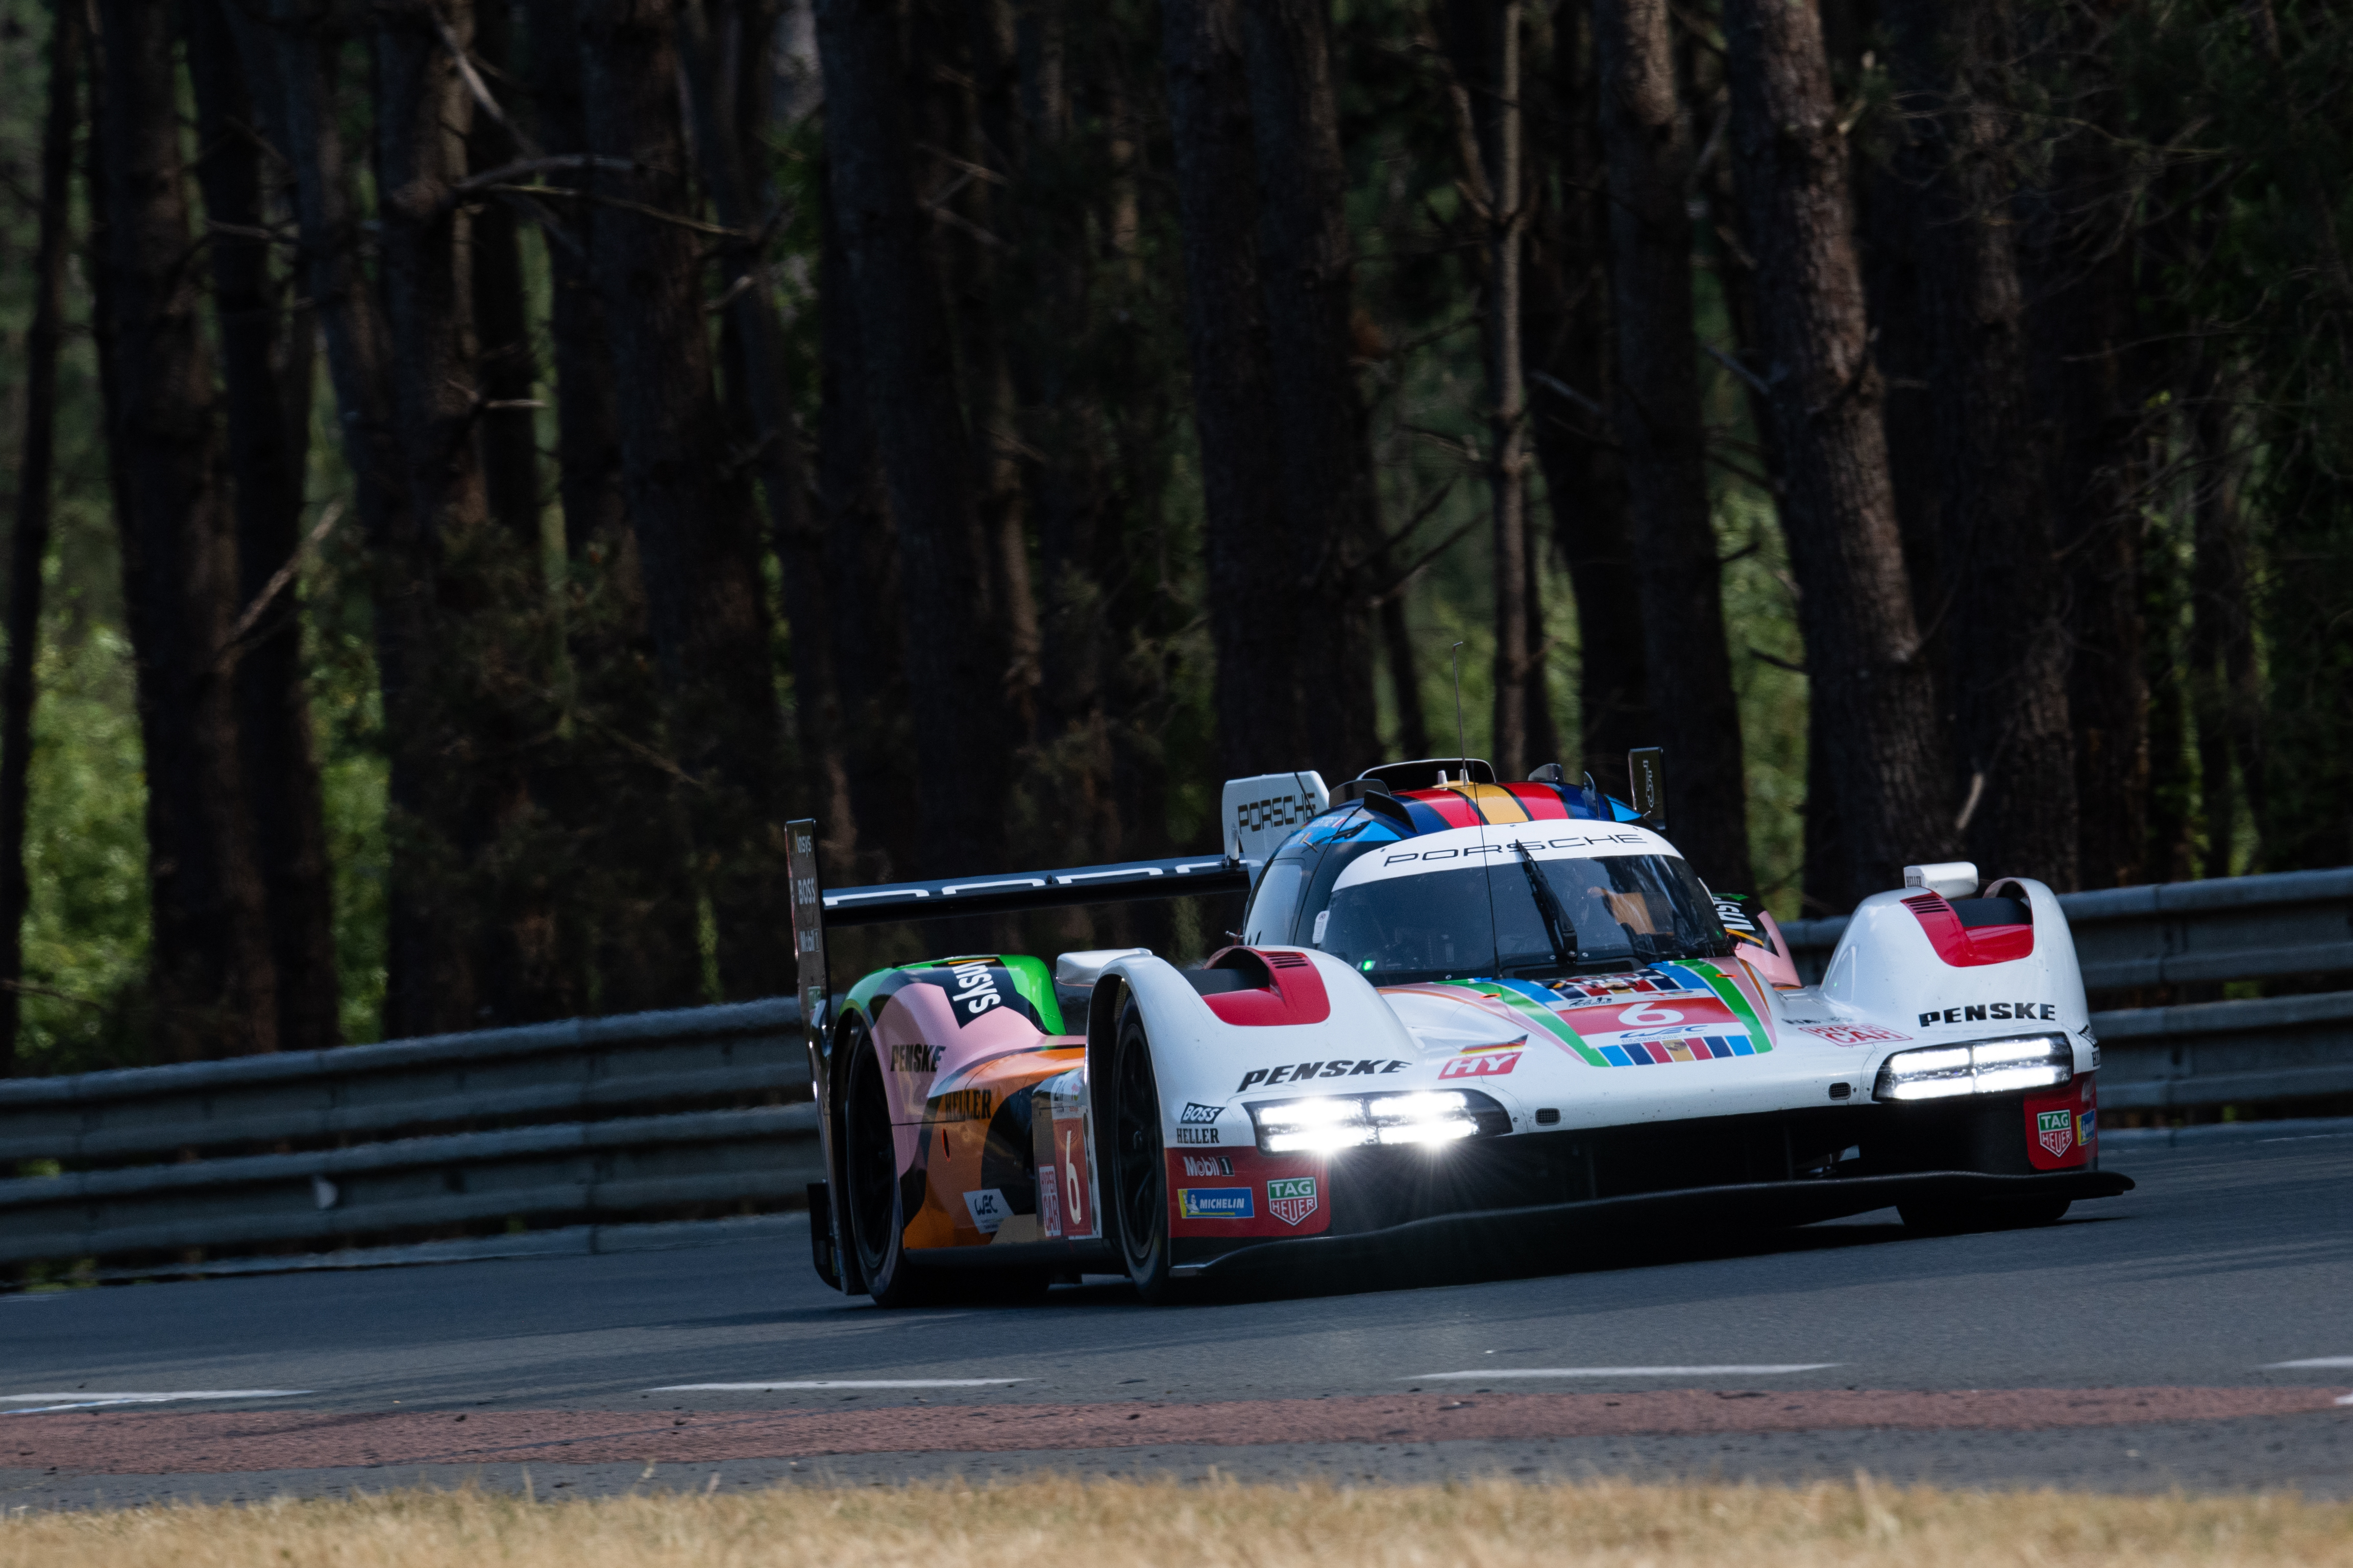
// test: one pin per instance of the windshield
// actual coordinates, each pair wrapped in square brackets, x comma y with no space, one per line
[1605,911]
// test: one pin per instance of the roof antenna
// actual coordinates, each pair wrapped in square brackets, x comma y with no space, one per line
[1463,761]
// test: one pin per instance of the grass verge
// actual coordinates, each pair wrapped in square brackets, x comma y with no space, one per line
[1056,1520]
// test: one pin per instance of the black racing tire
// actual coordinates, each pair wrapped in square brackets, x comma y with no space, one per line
[877,1197]
[1137,1177]
[1949,1218]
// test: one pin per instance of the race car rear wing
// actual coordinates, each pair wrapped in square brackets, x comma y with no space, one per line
[816,906]
[1258,814]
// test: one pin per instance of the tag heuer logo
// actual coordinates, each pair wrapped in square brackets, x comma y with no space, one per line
[2056,1129]
[1291,1199]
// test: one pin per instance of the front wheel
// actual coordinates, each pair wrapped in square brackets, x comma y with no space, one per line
[1139,1167]
[877,1193]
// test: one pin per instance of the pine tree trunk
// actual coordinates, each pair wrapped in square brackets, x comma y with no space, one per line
[956,652]
[1658,419]
[2226,692]
[713,34]
[1233,397]
[420,957]
[636,930]
[28,547]
[279,768]
[1306,267]
[2087,374]
[504,371]
[1571,361]
[214,987]
[1484,41]
[697,531]
[2008,637]
[861,571]
[1877,768]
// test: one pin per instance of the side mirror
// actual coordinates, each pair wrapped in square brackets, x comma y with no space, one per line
[1084,968]
[1953,879]
[1646,769]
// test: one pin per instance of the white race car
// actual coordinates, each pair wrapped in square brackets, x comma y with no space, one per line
[1461,1016]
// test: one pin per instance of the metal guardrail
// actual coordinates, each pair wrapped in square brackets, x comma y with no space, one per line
[408,1160]
[2201,933]
[597,1120]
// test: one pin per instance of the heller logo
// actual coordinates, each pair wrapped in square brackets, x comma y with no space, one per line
[1291,1199]
[1215,1202]
[1208,1166]
[1493,1064]
[2056,1130]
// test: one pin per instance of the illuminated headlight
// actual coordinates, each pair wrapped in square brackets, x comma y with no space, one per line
[1988,1066]
[1348,1121]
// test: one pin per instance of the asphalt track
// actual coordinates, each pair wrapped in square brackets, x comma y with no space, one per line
[2138,1345]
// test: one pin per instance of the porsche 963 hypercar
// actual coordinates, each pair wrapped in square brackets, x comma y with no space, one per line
[1462,1018]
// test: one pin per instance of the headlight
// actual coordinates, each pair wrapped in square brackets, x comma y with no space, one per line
[1347,1121]
[1988,1066]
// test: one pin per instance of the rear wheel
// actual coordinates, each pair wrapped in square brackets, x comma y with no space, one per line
[1139,1167]
[1981,1214]
[878,1195]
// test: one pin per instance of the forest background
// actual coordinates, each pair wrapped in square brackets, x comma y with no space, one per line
[479,467]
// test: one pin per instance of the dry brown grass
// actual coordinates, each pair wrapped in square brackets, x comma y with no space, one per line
[1035,1524]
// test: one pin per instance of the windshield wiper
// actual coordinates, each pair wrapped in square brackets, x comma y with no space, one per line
[1557,929]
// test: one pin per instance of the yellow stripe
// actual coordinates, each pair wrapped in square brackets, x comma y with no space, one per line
[1494,803]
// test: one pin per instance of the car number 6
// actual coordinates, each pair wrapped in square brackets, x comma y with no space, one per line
[1643,1015]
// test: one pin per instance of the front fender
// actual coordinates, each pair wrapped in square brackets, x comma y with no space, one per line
[1886,969]
[1204,1063]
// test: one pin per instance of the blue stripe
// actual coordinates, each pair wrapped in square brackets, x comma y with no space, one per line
[1615,1055]
[1527,988]
[1741,1046]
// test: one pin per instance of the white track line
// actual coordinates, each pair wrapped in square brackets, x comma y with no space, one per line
[837,1383]
[2315,1361]
[39,1403]
[1761,1370]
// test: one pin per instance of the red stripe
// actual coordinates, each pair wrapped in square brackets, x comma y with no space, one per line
[1541,802]
[1450,806]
